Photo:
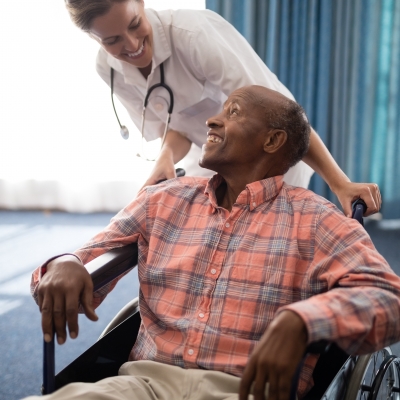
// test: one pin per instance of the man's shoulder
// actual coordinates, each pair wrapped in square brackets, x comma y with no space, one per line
[307,200]
[180,184]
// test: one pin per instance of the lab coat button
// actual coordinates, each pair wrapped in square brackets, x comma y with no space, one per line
[159,106]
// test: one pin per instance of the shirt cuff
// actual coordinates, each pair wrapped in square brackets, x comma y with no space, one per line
[320,323]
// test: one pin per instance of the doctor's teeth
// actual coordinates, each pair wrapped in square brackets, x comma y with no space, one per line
[136,53]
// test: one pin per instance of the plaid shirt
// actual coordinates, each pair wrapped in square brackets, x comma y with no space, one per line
[211,280]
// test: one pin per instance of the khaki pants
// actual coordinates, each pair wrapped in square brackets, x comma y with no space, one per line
[145,380]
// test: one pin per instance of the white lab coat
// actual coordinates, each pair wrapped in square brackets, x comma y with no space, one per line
[205,59]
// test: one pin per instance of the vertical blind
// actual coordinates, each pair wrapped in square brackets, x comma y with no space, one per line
[341,61]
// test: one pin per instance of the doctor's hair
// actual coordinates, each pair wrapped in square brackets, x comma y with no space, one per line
[290,117]
[83,12]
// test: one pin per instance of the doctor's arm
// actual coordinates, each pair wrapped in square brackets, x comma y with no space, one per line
[321,161]
[231,64]
[175,147]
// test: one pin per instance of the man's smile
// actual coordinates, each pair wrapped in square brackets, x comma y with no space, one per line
[211,138]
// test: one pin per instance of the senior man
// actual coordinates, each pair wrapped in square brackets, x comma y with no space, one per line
[237,274]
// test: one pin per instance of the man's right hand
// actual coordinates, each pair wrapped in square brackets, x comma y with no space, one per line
[65,284]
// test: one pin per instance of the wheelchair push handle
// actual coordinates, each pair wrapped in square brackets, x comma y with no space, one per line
[359,207]
[179,172]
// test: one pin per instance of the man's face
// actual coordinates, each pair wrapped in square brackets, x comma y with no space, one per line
[235,135]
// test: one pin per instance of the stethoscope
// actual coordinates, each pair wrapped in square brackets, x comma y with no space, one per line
[124,130]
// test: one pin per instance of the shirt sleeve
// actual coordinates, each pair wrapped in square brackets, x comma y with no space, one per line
[128,226]
[358,306]
[221,55]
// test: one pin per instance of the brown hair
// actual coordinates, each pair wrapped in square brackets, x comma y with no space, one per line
[83,12]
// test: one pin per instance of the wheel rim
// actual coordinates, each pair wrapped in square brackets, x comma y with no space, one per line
[382,387]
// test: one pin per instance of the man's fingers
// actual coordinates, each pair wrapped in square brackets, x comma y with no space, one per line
[46,309]
[71,312]
[87,301]
[247,380]
[260,382]
[59,319]
[284,385]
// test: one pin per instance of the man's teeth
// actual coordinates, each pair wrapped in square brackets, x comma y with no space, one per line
[136,53]
[214,139]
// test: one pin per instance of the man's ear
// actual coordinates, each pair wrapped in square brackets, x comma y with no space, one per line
[275,139]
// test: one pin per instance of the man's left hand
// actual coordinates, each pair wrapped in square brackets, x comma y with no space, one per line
[275,359]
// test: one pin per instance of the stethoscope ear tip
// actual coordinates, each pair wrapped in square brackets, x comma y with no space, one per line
[124,132]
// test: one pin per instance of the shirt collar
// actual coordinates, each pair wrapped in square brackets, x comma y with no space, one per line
[253,195]
[161,50]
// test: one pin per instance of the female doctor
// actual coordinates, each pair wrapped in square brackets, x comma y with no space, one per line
[204,59]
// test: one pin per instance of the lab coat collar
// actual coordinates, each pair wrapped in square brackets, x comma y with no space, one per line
[161,52]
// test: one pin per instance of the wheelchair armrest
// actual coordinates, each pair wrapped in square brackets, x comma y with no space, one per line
[103,270]
[108,266]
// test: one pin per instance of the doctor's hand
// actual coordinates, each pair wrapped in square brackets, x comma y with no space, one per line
[275,358]
[175,147]
[163,169]
[65,284]
[350,192]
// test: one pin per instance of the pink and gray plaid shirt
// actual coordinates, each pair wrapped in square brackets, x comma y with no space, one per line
[211,280]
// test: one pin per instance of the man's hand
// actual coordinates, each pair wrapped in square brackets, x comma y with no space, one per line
[275,358]
[352,191]
[64,285]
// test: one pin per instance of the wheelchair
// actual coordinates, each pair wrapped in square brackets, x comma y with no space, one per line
[337,376]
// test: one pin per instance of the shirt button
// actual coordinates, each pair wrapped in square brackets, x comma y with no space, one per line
[227,224]
[254,204]
[190,352]
[159,106]
[213,271]
[201,315]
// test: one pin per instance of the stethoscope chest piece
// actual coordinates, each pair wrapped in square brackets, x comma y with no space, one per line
[124,132]
[158,106]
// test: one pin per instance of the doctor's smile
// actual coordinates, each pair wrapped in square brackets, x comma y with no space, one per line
[138,53]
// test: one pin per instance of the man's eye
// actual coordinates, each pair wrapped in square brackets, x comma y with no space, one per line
[234,111]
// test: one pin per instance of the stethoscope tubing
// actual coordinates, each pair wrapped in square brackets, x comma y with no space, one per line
[161,84]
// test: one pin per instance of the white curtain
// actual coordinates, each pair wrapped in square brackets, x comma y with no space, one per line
[60,146]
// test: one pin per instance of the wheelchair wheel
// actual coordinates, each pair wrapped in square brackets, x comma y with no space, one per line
[375,377]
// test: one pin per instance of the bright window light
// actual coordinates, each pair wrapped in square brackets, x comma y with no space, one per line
[56,119]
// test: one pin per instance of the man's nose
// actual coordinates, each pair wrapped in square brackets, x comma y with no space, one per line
[214,122]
